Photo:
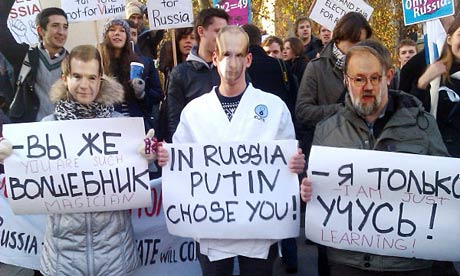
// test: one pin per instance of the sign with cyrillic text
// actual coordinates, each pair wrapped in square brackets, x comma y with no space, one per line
[329,12]
[231,190]
[417,11]
[86,10]
[160,253]
[170,14]
[76,166]
[385,203]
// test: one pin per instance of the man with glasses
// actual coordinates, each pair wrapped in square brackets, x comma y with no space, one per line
[376,118]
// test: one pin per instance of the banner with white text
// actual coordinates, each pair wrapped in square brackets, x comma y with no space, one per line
[21,238]
[170,14]
[87,10]
[238,190]
[76,166]
[418,11]
[329,12]
[385,203]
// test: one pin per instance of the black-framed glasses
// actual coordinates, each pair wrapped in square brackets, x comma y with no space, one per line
[361,81]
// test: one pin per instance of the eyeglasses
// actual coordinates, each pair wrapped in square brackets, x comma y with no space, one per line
[362,81]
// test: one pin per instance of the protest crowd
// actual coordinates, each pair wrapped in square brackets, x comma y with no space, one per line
[213,84]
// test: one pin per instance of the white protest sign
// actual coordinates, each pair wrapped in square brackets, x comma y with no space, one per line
[85,10]
[76,166]
[231,190]
[385,203]
[21,238]
[328,12]
[170,14]
[21,21]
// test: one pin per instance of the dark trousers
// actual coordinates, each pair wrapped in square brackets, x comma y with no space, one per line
[248,266]
[345,270]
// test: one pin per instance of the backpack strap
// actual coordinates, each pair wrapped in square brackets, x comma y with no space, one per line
[284,73]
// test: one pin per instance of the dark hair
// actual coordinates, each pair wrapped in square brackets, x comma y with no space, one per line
[300,20]
[255,36]
[42,18]
[269,40]
[84,53]
[165,60]
[206,17]
[447,56]
[349,28]
[296,46]
[363,49]
[380,49]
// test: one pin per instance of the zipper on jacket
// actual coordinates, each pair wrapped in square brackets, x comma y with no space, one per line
[89,245]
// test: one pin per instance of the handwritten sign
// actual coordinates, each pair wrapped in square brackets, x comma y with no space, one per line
[328,12]
[238,10]
[21,21]
[85,10]
[231,191]
[160,253]
[76,166]
[170,14]
[385,203]
[417,11]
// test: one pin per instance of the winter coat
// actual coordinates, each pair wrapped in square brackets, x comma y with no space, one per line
[320,89]
[92,243]
[448,111]
[188,81]
[407,128]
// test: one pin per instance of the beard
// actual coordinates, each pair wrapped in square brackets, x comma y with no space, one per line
[366,109]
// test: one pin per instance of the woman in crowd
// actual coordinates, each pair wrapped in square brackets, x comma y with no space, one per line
[93,243]
[185,40]
[117,55]
[293,55]
[447,106]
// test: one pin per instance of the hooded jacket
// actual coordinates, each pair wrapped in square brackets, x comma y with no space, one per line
[92,243]
[188,81]
[407,129]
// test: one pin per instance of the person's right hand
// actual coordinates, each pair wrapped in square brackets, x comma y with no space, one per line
[306,189]
[433,71]
[163,156]
[6,148]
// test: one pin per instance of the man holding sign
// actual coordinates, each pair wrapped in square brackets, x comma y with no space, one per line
[235,111]
[376,118]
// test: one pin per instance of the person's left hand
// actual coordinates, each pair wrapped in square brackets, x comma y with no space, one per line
[139,87]
[163,156]
[306,189]
[6,148]
[297,162]
[149,148]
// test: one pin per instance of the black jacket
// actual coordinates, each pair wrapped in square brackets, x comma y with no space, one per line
[187,81]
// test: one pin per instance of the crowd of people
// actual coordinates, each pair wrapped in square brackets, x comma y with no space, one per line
[338,89]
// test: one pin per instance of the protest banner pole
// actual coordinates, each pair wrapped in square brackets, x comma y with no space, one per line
[174,50]
[95,31]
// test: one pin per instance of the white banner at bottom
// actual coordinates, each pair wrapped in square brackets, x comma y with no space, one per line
[21,238]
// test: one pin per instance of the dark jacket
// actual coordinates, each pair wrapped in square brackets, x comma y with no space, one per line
[187,81]
[266,73]
[6,83]
[148,42]
[312,48]
[320,89]
[406,128]
[447,112]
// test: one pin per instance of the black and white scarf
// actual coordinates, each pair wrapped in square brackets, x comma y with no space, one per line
[71,110]
[339,56]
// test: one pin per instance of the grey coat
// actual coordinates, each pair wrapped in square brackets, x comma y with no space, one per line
[410,130]
[320,89]
[93,243]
